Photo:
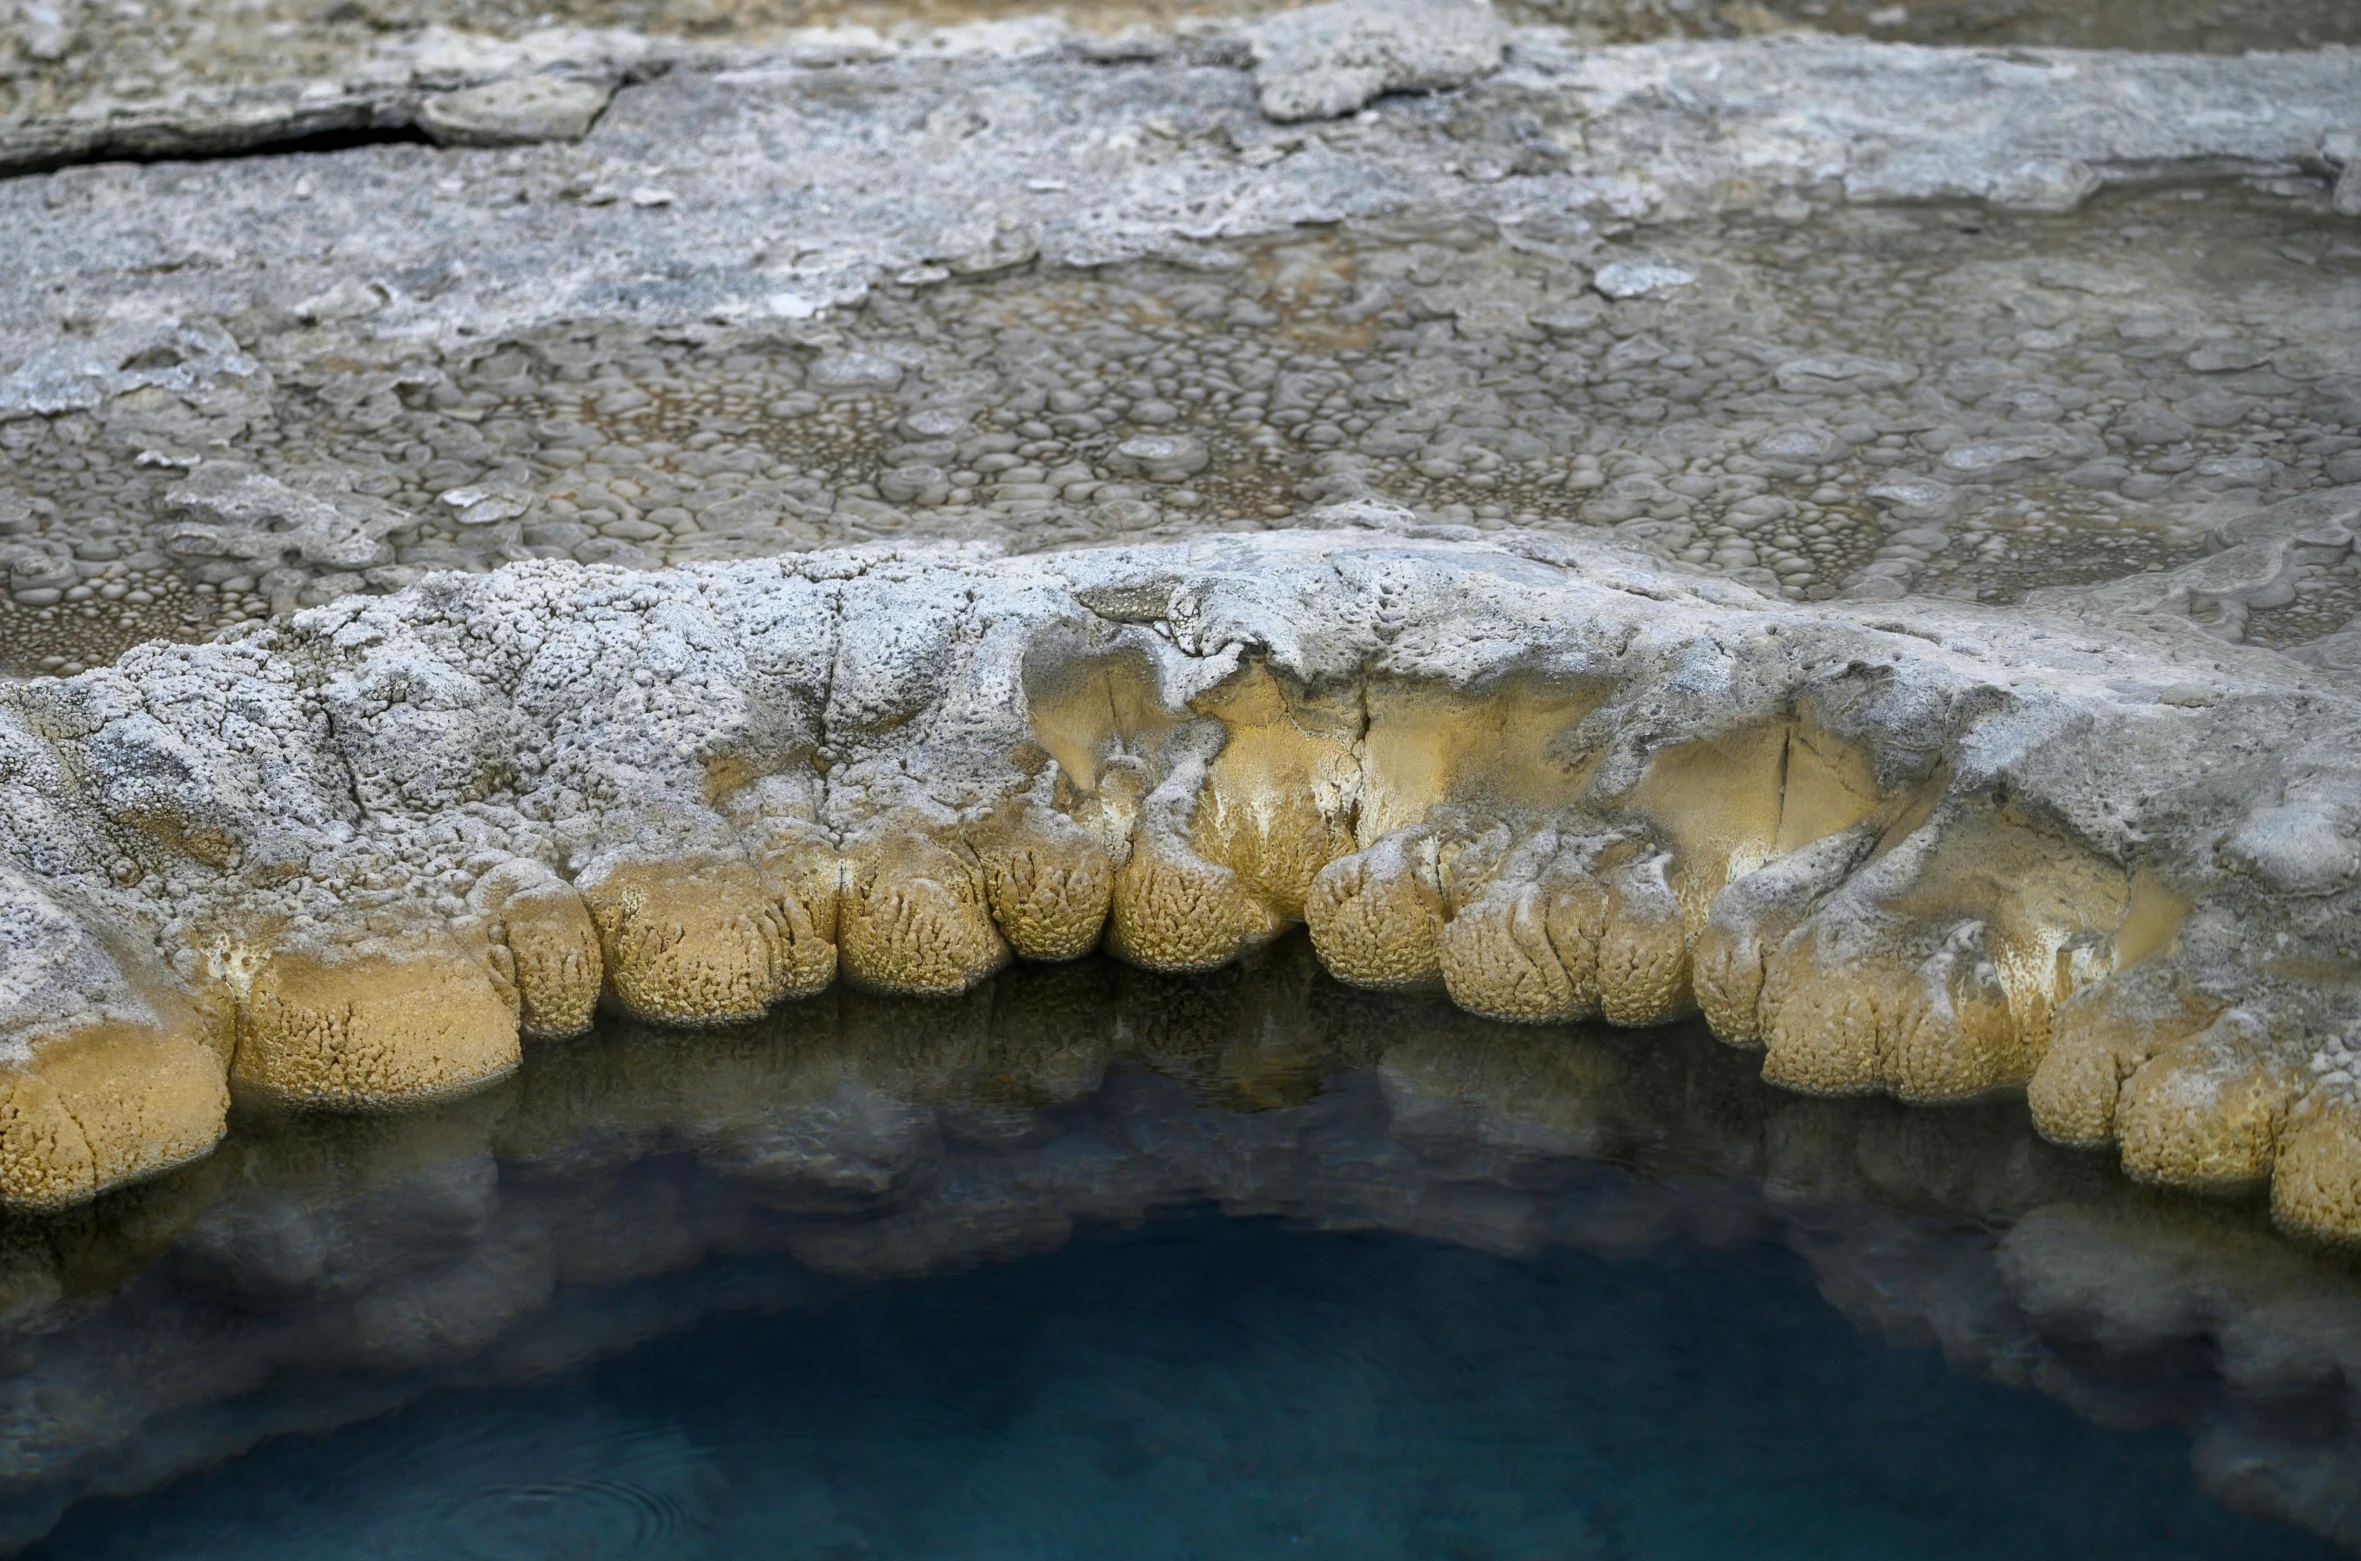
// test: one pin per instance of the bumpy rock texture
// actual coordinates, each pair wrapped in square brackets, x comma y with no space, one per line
[1326,60]
[351,856]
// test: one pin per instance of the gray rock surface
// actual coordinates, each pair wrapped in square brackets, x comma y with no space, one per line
[514,111]
[2343,147]
[1327,60]
[551,233]
[1977,322]
[85,78]
[329,86]
[416,318]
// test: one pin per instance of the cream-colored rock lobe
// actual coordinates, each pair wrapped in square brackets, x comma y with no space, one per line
[1925,848]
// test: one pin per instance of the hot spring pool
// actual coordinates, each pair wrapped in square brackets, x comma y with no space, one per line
[1097,1264]
[1204,1386]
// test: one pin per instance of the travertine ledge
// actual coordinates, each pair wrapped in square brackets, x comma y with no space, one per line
[1923,848]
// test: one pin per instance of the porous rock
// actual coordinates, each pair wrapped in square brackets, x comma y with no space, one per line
[1326,60]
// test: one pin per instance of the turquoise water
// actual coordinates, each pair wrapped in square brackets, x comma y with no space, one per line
[1209,1386]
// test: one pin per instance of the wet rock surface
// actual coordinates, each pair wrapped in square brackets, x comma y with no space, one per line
[630,1185]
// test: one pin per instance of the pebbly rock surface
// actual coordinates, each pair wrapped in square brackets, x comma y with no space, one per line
[1027,289]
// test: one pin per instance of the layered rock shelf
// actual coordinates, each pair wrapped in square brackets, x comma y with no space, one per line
[355,857]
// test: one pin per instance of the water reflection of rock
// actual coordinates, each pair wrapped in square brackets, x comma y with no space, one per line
[320,1270]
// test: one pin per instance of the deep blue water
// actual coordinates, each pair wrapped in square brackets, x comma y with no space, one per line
[1214,1387]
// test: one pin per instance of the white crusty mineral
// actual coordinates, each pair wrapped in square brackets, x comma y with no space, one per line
[1925,848]
[1326,60]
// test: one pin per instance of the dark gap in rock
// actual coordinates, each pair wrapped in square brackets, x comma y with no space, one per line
[197,147]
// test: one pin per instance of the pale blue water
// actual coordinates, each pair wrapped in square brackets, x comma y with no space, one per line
[1203,1386]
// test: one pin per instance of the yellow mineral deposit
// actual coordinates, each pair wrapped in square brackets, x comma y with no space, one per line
[1174,909]
[542,940]
[1277,803]
[1502,747]
[1754,916]
[106,1104]
[371,1029]
[1048,882]
[2101,1036]
[2207,1112]
[1727,805]
[2316,1182]
[1543,845]
[1376,917]
[915,916]
[707,939]
[1972,927]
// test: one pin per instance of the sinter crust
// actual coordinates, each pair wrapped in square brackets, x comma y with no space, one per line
[1931,849]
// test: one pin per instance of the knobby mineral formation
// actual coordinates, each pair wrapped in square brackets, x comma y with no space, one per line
[1931,849]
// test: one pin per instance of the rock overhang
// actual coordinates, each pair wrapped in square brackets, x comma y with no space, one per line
[1933,849]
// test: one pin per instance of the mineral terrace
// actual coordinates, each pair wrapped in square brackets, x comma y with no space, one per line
[1854,537]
